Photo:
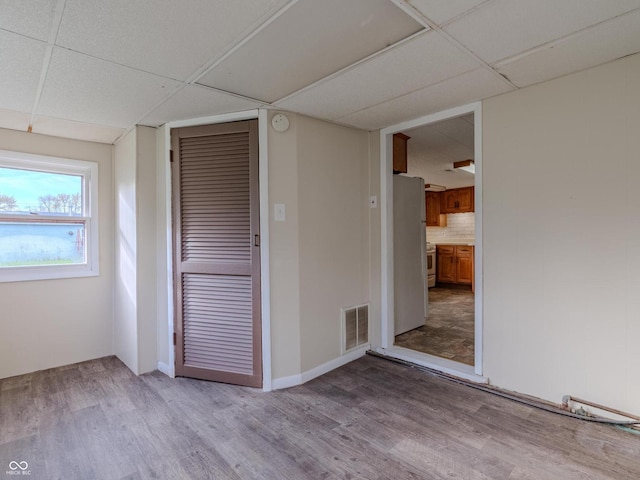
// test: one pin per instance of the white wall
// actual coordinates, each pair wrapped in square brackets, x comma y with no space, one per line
[320,254]
[562,237]
[135,323]
[147,251]
[49,323]
[284,251]
[333,233]
[125,326]
[164,314]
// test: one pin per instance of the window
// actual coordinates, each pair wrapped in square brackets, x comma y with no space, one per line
[48,217]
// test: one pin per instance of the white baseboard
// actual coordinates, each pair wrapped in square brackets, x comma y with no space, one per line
[286,382]
[164,368]
[299,379]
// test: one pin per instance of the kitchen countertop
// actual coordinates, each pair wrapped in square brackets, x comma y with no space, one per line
[453,241]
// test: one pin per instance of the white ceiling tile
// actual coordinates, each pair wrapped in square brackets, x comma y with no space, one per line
[503,28]
[85,89]
[14,120]
[58,127]
[422,61]
[20,67]
[166,37]
[308,42]
[441,11]
[465,88]
[31,18]
[605,42]
[194,101]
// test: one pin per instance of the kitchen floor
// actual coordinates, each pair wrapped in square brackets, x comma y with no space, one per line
[449,330]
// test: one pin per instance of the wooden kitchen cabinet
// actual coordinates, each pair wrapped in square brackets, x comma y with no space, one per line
[445,264]
[464,265]
[400,152]
[434,217]
[454,264]
[457,200]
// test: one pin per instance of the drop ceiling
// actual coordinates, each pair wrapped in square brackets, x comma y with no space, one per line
[92,69]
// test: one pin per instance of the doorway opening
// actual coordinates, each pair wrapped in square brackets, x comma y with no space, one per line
[449,337]
[433,150]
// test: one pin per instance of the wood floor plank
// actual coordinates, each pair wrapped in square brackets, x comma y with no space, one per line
[370,419]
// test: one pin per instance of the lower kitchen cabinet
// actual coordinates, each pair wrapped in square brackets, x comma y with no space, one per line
[464,264]
[445,264]
[454,264]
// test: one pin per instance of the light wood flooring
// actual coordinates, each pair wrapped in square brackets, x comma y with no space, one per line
[371,419]
[449,331]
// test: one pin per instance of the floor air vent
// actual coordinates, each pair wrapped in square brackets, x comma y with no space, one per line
[355,327]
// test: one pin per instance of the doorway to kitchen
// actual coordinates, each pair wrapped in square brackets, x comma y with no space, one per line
[444,150]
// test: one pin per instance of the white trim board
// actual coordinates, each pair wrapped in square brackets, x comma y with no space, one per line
[386,228]
[304,377]
[263,168]
[434,363]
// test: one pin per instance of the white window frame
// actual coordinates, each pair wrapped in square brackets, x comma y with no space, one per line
[88,170]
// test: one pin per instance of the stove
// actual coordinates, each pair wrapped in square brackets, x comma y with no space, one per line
[431,265]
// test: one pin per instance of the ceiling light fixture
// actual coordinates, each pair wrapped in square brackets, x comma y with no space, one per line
[465,165]
[432,187]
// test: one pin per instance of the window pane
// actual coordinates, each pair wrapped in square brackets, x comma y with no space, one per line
[26,191]
[36,244]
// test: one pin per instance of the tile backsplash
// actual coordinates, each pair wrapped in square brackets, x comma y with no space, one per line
[458,225]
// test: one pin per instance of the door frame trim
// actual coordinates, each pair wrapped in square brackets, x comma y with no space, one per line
[386,228]
[263,170]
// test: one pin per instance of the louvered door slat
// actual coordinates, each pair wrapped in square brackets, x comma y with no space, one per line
[217,299]
[217,261]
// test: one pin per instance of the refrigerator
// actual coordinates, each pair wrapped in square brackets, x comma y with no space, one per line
[409,254]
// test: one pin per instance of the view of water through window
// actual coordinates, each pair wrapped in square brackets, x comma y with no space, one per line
[31,197]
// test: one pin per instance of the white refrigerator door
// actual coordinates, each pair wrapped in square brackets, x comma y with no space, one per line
[409,253]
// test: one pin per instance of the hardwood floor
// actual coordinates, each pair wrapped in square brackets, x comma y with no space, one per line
[371,419]
[449,331]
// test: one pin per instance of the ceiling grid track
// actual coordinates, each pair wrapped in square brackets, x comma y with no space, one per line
[352,66]
[55,27]
[235,46]
[93,70]
[552,43]
[427,22]
[211,64]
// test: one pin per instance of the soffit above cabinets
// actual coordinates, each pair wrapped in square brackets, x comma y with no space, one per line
[93,69]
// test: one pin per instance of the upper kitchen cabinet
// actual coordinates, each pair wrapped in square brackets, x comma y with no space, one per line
[400,152]
[457,200]
[434,217]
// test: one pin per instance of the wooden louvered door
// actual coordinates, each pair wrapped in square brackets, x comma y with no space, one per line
[216,252]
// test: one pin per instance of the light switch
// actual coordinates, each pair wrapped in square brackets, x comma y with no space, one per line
[278,212]
[373,201]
